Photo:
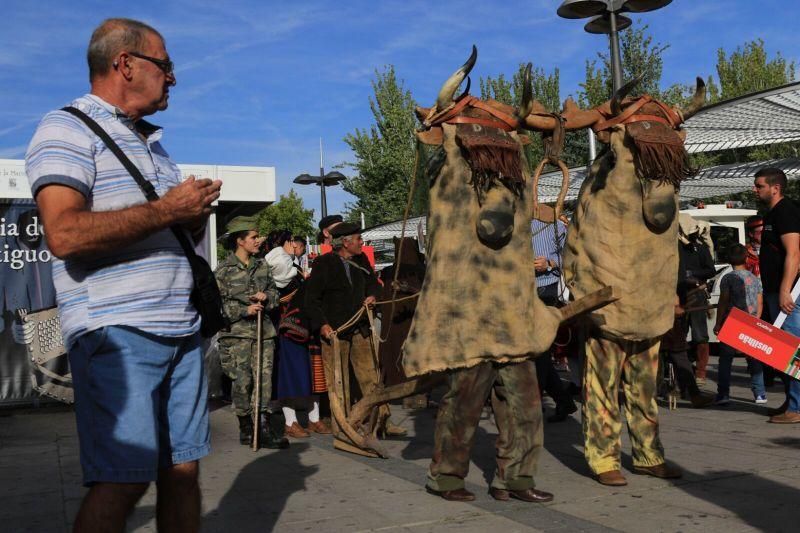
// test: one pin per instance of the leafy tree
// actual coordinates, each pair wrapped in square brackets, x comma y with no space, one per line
[640,57]
[385,155]
[546,89]
[287,213]
[748,70]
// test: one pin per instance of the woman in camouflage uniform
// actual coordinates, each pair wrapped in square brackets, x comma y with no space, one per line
[247,288]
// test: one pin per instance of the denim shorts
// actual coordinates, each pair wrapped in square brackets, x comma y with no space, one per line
[140,403]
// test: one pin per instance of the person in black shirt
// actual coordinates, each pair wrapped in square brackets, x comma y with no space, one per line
[779,260]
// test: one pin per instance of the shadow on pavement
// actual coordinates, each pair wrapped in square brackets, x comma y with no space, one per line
[764,504]
[564,441]
[259,493]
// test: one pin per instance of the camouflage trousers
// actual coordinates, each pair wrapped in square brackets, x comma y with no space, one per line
[517,411]
[634,364]
[238,359]
[356,352]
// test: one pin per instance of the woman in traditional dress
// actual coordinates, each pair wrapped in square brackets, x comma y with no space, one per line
[292,366]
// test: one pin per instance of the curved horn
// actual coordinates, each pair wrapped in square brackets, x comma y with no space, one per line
[526,103]
[621,93]
[447,91]
[466,91]
[698,100]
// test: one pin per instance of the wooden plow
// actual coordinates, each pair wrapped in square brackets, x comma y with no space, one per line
[360,423]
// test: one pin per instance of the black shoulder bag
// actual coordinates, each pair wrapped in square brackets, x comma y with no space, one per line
[205,295]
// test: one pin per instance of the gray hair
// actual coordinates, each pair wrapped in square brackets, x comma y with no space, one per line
[338,242]
[113,36]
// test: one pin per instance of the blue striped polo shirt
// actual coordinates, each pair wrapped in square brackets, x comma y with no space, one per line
[548,242]
[145,285]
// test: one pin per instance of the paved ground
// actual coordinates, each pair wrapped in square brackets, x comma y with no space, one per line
[741,474]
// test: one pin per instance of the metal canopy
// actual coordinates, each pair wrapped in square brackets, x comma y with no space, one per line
[712,181]
[766,117]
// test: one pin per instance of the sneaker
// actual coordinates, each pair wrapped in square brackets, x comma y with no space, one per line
[722,400]
[761,399]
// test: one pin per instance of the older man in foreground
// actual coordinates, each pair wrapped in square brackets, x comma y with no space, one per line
[123,284]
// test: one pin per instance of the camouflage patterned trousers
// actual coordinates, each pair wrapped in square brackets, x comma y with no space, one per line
[635,364]
[517,411]
[356,352]
[238,359]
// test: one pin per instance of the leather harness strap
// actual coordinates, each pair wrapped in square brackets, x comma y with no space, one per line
[511,123]
[482,121]
[673,120]
[453,115]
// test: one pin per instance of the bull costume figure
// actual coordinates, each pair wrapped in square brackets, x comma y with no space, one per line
[479,317]
[623,234]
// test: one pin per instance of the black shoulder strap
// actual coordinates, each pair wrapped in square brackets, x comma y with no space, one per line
[147,187]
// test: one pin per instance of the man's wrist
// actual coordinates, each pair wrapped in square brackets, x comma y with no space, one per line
[159,213]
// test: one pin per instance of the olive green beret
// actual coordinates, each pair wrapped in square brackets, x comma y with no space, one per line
[242,223]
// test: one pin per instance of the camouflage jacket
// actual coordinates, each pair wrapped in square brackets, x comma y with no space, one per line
[237,283]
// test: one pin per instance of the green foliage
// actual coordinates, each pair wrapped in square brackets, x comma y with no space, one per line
[287,213]
[384,155]
[546,89]
[640,56]
[748,70]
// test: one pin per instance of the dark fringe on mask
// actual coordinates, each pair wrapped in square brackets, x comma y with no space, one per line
[490,163]
[666,163]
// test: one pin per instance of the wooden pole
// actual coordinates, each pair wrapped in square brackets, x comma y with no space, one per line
[257,401]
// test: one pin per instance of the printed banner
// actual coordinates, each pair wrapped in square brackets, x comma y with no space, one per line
[763,341]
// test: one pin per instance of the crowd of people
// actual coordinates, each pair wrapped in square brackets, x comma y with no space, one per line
[124,288]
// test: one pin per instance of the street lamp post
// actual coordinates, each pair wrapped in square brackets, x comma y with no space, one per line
[323,180]
[606,19]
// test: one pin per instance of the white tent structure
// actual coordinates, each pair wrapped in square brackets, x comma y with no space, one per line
[767,117]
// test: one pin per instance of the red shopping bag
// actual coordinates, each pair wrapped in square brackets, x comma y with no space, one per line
[763,341]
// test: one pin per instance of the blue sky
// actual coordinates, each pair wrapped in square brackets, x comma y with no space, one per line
[259,82]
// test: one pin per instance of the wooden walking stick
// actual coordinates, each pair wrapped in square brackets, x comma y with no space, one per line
[257,389]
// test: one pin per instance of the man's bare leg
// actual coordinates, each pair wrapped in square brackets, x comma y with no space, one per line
[178,503]
[107,505]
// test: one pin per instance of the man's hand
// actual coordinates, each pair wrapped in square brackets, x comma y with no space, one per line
[190,202]
[326,331]
[258,297]
[369,301]
[253,309]
[540,264]
[786,302]
[679,310]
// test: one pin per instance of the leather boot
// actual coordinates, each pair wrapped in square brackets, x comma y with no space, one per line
[272,431]
[702,360]
[245,430]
